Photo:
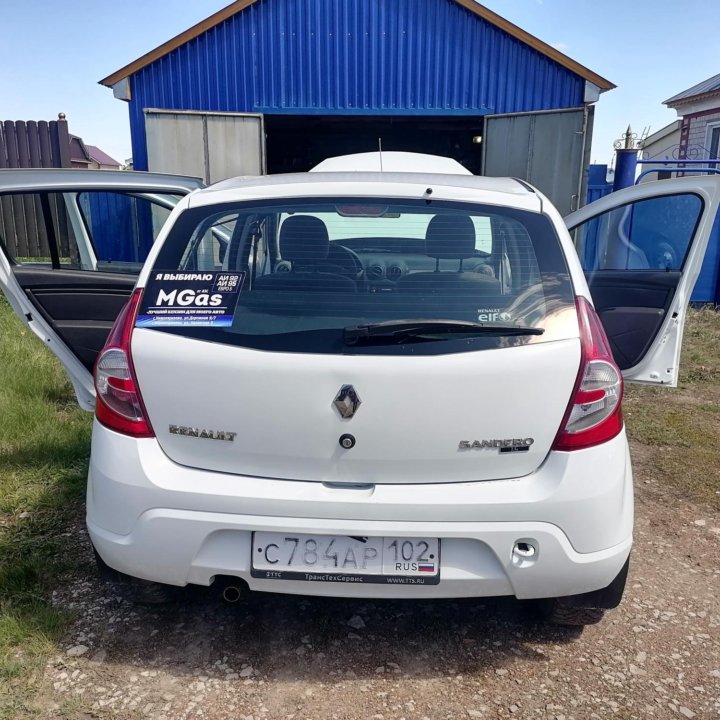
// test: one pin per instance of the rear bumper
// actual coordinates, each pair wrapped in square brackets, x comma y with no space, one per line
[151,518]
[180,547]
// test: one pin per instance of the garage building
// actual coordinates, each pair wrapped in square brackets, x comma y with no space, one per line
[279,85]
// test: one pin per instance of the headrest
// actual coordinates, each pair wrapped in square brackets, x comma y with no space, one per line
[450,237]
[304,239]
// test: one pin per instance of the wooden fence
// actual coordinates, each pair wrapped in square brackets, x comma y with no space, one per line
[32,145]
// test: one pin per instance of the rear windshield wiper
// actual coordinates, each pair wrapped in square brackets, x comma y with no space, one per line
[427,330]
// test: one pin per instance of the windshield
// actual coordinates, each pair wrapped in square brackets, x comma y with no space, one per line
[294,275]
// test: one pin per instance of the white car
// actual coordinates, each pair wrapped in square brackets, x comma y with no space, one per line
[365,384]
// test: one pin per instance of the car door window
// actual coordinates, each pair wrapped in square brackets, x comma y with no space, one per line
[89,230]
[651,234]
[35,229]
[122,227]
[209,249]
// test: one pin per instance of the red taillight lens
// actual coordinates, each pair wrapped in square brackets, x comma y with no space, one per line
[119,405]
[595,411]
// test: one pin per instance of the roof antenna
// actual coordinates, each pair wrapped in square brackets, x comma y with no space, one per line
[380,152]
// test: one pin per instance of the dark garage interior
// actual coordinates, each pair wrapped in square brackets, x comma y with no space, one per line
[296,143]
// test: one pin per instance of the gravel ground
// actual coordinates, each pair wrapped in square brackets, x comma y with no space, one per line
[657,656]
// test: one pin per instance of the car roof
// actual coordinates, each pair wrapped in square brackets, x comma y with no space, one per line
[392,161]
[469,188]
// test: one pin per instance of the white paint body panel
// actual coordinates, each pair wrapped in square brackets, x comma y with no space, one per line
[153,518]
[414,411]
[392,162]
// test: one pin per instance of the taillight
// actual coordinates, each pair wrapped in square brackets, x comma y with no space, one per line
[594,414]
[119,405]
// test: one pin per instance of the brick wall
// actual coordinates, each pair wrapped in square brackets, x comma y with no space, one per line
[696,133]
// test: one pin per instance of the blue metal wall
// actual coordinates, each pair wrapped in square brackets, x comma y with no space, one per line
[598,186]
[362,57]
[707,287]
[120,226]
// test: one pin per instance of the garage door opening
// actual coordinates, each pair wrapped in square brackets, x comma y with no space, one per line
[298,143]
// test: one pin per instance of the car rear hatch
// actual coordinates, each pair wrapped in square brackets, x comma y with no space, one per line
[414,412]
[460,370]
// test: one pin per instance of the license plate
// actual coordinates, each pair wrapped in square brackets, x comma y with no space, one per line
[342,558]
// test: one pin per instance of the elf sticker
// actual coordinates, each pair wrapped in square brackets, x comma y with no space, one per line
[197,299]
[493,315]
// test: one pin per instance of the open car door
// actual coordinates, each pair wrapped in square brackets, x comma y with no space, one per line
[642,249]
[72,243]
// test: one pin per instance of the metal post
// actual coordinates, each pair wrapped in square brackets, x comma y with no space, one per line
[626,159]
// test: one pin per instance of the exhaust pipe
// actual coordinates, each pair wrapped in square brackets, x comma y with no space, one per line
[232,593]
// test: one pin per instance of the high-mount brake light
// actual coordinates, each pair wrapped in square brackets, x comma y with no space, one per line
[119,405]
[594,414]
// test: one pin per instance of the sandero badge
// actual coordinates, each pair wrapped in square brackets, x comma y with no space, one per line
[347,401]
[506,445]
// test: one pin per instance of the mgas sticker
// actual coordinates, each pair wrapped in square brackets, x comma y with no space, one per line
[200,299]
[493,315]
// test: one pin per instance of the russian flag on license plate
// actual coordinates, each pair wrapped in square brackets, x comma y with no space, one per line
[426,568]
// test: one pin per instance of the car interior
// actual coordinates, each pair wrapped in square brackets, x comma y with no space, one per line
[438,247]
[436,269]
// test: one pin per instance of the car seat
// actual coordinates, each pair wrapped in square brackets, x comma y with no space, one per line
[450,237]
[304,244]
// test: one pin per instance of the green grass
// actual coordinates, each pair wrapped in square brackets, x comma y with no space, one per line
[680,429]
[44,444]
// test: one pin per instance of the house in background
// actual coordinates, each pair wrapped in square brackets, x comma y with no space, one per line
[90,157]
[664,144]
[699,110]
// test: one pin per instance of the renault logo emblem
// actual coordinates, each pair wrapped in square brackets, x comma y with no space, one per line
[347,401]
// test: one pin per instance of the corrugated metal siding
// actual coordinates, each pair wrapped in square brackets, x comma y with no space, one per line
[597,186]
[365,57]
[596,192]
[121,227]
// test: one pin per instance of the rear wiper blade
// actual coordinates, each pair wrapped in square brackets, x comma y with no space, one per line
[426,330]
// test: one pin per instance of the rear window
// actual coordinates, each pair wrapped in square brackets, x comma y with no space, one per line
[296,275]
